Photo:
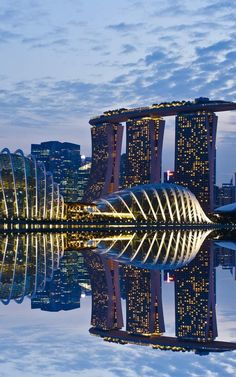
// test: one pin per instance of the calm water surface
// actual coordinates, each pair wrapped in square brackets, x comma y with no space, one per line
[187,290]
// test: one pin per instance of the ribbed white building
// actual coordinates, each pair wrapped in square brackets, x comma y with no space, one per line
[162,203]
[27,191]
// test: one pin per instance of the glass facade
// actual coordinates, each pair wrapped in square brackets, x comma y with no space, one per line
[27,192]
[106,151]
[144,140]
[63,161]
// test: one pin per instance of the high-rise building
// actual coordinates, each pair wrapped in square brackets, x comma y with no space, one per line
[195,301]
[227,193]
[106,151]
[83,177]
[63,161]
[195,155]
[144,312]
[144,140]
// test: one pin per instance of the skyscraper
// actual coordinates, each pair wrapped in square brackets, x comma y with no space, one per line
[83,177]
[195,155]
[63,161]
[144,313]
[106,151]
[144,140]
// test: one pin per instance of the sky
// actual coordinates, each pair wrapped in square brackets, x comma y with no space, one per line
[64,61]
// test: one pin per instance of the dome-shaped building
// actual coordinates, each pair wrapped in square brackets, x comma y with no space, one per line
[27,191]
[162,203]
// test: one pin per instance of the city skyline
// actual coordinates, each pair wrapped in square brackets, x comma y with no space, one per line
[54,80]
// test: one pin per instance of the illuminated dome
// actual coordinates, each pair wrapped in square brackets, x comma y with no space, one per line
[161,203]
[154,250]
[27,191]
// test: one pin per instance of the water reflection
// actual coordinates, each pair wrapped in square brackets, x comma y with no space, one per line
[28,261]
[55,270]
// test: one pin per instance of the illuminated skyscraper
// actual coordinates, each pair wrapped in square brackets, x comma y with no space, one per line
[144,140]
[63,161]
[106,300]
[106,151]
[195,155]
[144,313]
[83,177]
[195,298]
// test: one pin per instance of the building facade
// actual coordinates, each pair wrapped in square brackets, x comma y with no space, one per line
[106,151]
[195,155]
[144,140]
[63,160]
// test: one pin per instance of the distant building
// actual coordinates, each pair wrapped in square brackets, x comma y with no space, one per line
[195,155]
[83,177]
[144,140]
[63,161]
[226,193]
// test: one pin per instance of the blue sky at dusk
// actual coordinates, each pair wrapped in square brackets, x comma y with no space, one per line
[65,61]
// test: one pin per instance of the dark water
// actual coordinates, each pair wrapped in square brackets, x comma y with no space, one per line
[177,285]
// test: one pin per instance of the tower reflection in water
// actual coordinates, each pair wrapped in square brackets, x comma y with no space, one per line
[55,269]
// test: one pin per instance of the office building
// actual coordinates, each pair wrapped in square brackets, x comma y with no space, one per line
[83,177]
[144,140]
[63,161]
[226,194]
[195,155]
[106,151]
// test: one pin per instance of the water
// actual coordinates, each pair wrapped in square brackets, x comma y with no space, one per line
[63,273]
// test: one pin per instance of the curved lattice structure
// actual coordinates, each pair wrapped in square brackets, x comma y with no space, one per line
[156,250]
[27,262]
[27,191]
[160,203]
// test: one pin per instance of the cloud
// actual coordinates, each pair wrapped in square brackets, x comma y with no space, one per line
[8,36]
[125,27]
[128,48]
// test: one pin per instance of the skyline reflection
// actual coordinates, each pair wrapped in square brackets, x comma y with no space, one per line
[56,270]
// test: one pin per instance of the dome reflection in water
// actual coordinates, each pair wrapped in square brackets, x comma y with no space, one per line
[54,270]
